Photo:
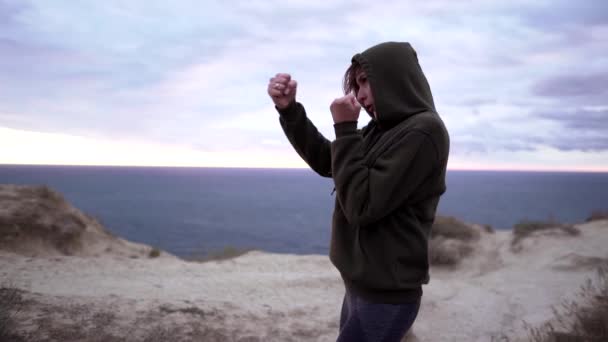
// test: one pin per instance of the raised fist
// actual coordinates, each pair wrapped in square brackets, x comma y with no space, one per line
[345,108]
[282,90]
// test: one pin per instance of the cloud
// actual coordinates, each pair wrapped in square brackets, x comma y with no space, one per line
[582,129]
[582,143]
[9,9]
[592,119]
[574,85]
[563,14]
[194,73]
[141,74]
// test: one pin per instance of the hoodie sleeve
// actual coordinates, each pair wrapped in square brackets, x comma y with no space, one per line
[367,193]
[310,144]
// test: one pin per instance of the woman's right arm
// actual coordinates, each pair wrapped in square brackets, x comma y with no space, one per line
[310,144]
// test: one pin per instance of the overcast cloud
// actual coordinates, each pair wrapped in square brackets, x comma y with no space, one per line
[509,78]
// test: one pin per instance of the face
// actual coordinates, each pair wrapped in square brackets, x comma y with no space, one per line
[364,94]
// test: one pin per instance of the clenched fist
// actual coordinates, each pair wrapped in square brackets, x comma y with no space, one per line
[282,90]
[345,108]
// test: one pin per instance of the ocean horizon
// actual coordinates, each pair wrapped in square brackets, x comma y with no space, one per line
[192,211]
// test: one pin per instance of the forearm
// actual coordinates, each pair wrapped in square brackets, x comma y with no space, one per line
[306,139]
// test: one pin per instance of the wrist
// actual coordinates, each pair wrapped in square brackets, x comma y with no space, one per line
[345,128]
[341,120]
[287,110]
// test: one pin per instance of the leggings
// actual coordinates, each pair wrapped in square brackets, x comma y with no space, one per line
[363,321]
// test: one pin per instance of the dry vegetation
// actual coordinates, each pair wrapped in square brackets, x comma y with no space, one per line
[220,255]
[11,302]
[78,323]
[451,241]
[36,221]
[582,320]
[44,218]
[597,215]
[71,322]
[527,228]
[451,228]
[154,253]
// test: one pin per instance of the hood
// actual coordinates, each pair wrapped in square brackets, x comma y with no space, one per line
[397,82]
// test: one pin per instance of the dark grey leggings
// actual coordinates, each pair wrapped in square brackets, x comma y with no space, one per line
[363,321]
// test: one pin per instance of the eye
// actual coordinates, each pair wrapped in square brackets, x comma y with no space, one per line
[362,80]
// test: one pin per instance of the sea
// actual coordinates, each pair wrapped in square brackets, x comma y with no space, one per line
[194,212]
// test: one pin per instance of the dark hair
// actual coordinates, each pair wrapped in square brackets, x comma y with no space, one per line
[349,83]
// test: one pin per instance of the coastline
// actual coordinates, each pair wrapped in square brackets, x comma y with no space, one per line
[488,294]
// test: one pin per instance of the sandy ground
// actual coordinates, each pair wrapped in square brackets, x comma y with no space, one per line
[276,297]
[268,297]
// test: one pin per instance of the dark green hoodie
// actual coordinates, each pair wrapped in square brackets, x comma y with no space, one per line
[388,177]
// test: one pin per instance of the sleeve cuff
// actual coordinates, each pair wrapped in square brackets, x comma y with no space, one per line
[345,128]
[289,111]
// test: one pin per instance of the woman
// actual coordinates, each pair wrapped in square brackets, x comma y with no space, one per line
[388,178]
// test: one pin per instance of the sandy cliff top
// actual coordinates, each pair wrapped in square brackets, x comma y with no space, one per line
[70,295]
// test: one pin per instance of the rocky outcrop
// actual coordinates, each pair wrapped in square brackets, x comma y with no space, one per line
[37,221]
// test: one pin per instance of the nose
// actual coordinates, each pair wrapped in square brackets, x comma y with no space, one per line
[361,97]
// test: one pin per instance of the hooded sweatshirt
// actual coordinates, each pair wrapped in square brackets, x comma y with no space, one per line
[388,177]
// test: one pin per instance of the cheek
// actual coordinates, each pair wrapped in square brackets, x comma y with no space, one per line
[366,91]
[369,93]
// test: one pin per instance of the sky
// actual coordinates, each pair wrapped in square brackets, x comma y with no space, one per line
[520,85]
